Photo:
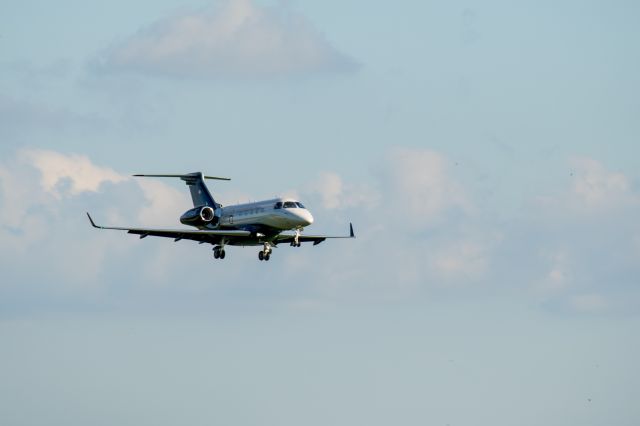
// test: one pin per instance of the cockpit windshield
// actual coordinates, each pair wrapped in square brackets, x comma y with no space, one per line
[288,205]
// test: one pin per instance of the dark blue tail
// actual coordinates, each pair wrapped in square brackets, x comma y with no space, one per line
[199,192]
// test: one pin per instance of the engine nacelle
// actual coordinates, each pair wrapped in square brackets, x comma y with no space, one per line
[199,216]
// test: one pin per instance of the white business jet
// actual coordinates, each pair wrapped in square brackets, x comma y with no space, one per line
[261,223]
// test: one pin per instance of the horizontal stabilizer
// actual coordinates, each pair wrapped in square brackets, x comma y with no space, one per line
[187,176]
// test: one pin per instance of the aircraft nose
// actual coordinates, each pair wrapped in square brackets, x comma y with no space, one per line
[306,218]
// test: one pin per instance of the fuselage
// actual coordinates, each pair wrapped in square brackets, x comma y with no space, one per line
[268,216]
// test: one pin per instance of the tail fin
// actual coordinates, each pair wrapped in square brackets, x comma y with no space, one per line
[199,192]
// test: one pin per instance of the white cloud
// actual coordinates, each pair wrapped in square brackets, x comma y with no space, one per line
[330,188]
[39,235]
[579,241]
[69,175]
[421,188]
[43,197]
[236,38]
[596,186]
[77,172]
[582,263]
[399,249]
[163,203]
[336,194]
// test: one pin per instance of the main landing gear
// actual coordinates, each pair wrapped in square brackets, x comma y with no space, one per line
[265,254]
[218,252]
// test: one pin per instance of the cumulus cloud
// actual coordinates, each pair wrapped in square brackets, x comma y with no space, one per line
[596,186]
[34,228]
[581,263]
[579,239]
[73,173]
[421,186]
[336,194]
[163,203]
[416,234]
[238,38]
[43,197]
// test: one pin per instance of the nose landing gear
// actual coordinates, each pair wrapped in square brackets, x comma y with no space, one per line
[296,239]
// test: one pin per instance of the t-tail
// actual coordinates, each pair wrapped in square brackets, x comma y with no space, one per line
[199,192]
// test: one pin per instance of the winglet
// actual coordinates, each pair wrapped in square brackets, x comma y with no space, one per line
[351,234]
[91,220]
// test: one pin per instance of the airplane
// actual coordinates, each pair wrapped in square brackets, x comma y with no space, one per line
[261,223]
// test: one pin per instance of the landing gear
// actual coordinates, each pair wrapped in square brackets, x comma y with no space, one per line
[265,254]
[296,239]
[219,253]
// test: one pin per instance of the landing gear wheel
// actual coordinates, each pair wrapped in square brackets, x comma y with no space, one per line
[261,255]
[216,254]
[267,256]
[222,254]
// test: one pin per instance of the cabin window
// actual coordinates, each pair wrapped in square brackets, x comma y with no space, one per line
[289,205]
[300,205]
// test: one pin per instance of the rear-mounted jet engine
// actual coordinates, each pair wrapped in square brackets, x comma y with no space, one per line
[199,216]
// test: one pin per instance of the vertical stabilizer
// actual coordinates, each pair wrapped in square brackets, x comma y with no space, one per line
[199,192]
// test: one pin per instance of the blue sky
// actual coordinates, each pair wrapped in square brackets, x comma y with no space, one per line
[487,155]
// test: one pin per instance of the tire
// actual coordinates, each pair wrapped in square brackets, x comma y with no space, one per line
[261,255]
[222,254]
[216,254]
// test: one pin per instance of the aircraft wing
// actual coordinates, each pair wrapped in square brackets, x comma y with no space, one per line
[316,239]
[204,236]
